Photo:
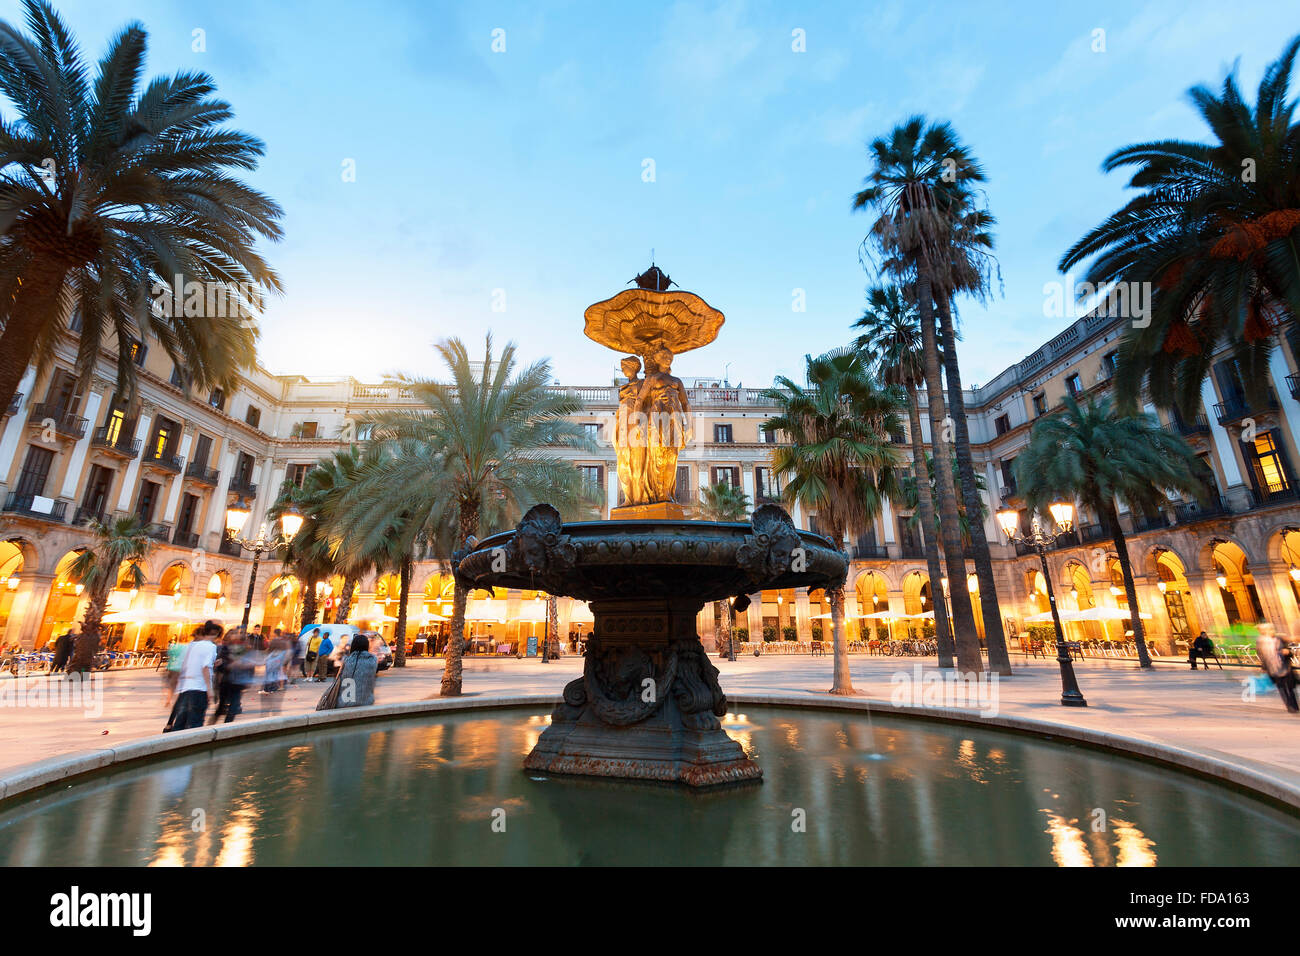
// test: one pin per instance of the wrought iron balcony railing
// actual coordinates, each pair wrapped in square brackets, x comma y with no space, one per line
[37,506]
[63,421]
[119,442]
[185,539]
[242,486]
[164,461]
[202,474]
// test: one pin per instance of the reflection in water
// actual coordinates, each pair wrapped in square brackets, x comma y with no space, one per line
[428,792]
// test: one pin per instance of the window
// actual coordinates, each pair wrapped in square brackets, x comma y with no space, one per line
[767,436]
[244,469]
[253,416]
[113,426]
[1007,467]
[217,399]
[1074,384]
[137,350]
[1269,464]
[164,439]
[591,430]
[1109,362]
[148,500]
[1040,403]
[593,476]
[682,493]
[95,500]
[727,474]
[1002,424]
[189,512]
[202,450]
[36,470]
[766,485]
[62,391]
[365,430]
[722,434]
[307,430]
[177,379]
[298,473]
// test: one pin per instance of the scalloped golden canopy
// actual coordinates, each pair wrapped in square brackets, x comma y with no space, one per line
[637,320]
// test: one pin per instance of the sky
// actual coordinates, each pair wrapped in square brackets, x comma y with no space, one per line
[436,186]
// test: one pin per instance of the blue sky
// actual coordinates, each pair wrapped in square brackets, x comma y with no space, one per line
[523,170]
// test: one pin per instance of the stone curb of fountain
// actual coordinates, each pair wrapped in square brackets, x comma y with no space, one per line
[29,778]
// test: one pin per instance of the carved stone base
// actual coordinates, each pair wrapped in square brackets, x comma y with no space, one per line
[647,705]
[659,511]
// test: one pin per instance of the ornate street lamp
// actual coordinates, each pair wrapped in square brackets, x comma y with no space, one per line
[236,517]
[1041,541]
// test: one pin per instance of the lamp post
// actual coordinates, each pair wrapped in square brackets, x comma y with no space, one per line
[1041,541]
[236,517]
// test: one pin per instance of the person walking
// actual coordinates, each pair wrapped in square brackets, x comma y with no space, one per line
[1203,648]
[355,684]
[195,682]
[310,650]
[323,651]
[62,651]
[235,668]
[175,654]
[1275,657]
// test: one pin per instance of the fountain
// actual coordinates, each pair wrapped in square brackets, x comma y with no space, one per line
[648,703]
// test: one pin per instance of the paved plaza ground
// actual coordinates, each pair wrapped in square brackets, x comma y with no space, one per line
[1201,711]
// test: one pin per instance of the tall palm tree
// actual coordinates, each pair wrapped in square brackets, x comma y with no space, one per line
[911,490]
[722,501]
[1215,231]
[1097,456]
[917,187]
[113,559]
[110,195]
[840,462]
[891,342]
[494,431]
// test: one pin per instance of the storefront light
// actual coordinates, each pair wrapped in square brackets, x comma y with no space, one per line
[1162,586]
[1295,573]
[1116,590]
[12,583]
[1222,579]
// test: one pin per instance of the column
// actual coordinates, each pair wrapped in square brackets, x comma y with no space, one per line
[1223,442]
[217,510]
[174,496]
[1290,407]
[13,430]
[29,608]
[747,482]
[1207,600]
[611,494]
[268,488]
[887,521]
[755,613]
[133,469]
[1279,573]
[73,475]
[803,615]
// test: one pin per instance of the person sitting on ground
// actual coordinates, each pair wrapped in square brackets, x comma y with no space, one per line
[1203,648]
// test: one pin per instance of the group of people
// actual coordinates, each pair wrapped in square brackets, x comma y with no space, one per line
[217,666]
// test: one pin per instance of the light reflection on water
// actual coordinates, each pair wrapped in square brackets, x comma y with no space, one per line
[428,792]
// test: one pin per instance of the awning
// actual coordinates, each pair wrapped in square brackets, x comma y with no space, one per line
[486,609]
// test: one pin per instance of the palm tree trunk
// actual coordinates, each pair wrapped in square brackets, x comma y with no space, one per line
[308,615]
[345,601]
[925,501]
[35,304]
[87,643]
[722,627]
[452,672]
[552,622]
[1130,589]
[399,629]
[994,636]
[963,619]
[841,680]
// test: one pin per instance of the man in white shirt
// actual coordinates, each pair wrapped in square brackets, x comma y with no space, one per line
[195,681]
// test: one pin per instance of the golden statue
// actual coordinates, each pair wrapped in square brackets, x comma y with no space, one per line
[653,421]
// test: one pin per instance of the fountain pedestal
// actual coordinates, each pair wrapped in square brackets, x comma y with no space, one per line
[648,703]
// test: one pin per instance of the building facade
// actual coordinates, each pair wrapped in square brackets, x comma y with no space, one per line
[179,458]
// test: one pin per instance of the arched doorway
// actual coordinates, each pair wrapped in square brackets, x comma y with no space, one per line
[1290,550]
[1171,581]
[434,623]
[12,563]
[280,605]
[778,615]
[61,609]
[873,598]
[1236,583]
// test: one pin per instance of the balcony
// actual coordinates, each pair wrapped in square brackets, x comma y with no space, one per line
[159,532]
[1293,383]
[86,515]
[119,443]
[161,461]
[1093,532]
[870,552]
[1185,512]
[912,551]
[36,506]
[242,486]
[229,547]
[1275,494]
[185,539]
[1200,425]
[1235,409]
[202,474]
[63,422]
[15,404]
[1155,522]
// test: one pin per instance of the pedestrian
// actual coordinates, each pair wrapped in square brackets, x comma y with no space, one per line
[1275,657]
[235,670]
[323,651]
[355,684]
[312,647]
[62,651]
[1203,648]
[175,653]
[194,684]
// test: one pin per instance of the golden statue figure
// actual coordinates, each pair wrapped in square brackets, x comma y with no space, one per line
[653,420]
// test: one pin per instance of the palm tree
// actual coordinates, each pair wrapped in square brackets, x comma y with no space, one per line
[722,501]
[1097,456]
[110,196]
[494,432]
[911,488]
[891,343]
[917,186]
[114,559]
[1215,232]
[840,462]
